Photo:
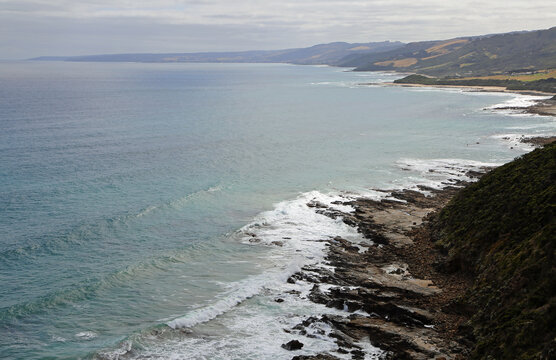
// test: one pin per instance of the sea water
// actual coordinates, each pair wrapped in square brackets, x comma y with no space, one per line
[156,210]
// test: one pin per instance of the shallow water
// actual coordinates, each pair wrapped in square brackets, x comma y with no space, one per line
[138,198]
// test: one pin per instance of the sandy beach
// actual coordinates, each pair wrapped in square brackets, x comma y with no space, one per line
[544,107]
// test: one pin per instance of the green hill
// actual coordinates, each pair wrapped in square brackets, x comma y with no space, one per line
[464,57]
[502,230]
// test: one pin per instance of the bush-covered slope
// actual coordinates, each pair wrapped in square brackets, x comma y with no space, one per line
[502,230]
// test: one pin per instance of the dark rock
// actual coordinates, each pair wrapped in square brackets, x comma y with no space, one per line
[293,292]
[316,204]
[335,303]
[357,354]
[293,345]
[315,295]
[293,279]
[315,357]
[278,300]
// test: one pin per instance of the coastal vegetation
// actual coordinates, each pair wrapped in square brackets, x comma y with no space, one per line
[501,231]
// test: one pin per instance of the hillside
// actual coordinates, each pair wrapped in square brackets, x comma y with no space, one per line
[502,231]
[328,54]
[405,57]
[478,56]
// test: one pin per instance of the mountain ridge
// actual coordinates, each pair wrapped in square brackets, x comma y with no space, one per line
[321,54]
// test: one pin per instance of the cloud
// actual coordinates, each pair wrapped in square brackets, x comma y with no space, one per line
[36,27]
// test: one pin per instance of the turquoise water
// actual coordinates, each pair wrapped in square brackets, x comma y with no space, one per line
[129,193]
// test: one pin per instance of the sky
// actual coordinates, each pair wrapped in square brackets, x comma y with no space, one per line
[30,28]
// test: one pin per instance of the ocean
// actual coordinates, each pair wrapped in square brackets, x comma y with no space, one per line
[156,210]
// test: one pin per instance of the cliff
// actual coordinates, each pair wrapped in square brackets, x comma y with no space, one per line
[502,231]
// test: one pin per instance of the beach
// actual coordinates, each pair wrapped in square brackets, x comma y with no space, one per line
[545,107]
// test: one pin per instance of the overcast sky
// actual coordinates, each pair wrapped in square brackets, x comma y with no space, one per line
[71,27]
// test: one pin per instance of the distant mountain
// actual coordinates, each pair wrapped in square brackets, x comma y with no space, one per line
[495,54]
[329,54]
[464,57]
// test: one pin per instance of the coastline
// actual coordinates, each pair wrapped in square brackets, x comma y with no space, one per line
[468,87]
[349,261]
[389,298]
[398,291]
[545,107]
[401,291]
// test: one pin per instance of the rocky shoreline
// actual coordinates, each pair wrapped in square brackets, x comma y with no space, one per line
[538,140]
[401,292]
[544,107]
[395,289]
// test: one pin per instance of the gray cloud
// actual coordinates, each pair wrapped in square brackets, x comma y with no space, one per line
[63,27]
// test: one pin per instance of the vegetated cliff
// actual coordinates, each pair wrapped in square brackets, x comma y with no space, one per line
[502,230]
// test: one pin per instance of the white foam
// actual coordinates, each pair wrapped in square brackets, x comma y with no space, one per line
[439,173]
[377,195]
[241,291]
[345,84]
[296,233]
[179,202]
[514,141]
[516,105]
[253,331]
[298,226]
[437,89]
[371,352]
[251,323]
[520,101]
[146,211]
[86,335]
[58,338]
